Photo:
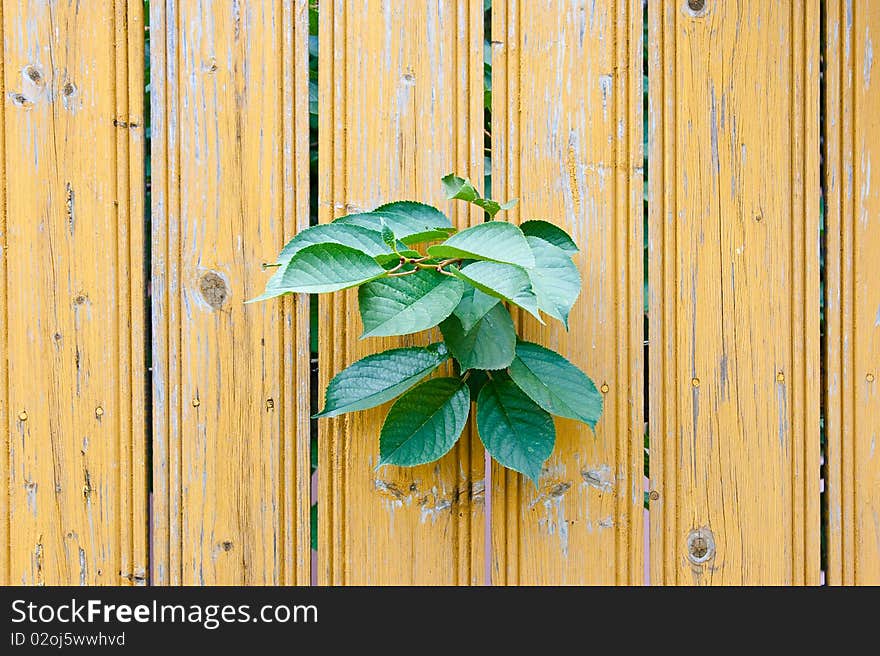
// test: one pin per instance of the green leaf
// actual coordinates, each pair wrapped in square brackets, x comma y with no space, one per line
[274,287]
[489,344]
[556,384]
[505,281]
[357,237]
[409,228]
[378,378]
[549,232]
[515,431]
[436,234]
[494,240]
[424,424]
[409,210]
[555,279]
[328,268]
[473,306]
[388,237]
[363,239]
[407,304]
[457,188]
[493,207]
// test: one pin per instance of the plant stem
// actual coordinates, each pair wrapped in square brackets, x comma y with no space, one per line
[419,263]
[397,268]
[403,273]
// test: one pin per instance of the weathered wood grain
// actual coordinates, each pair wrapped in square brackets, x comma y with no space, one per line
[231,381]
[400,105]
[734,302]
[72,375]
[567,141]
[852,292]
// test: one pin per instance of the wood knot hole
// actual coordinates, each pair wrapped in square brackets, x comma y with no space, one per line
[870,378]
[68,89]
[654,496]
[20,100]
[34,74]
[604,389]
[696,5]
[213,289]
[227,545]
[700,545]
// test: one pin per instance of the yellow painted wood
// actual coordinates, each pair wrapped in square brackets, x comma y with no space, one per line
[230,381]
[72,375]
[734,302]
[401,92]
[567,141]
[852,293]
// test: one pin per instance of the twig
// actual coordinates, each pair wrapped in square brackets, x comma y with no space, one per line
[403,273]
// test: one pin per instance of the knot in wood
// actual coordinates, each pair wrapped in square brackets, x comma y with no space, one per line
[700,545]
[213,289]
[34,74]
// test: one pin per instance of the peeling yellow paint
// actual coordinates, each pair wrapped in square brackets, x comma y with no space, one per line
[72,228]
[230,180]
[401,95]
[566,135]
[852,294]
[734,304]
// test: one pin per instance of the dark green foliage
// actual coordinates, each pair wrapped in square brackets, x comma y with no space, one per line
[462,282]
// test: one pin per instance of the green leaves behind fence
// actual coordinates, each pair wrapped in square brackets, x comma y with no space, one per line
[397,306]
[514,429]
[462,189]
[381,377]
[488,345]
[462,282]
[425,423]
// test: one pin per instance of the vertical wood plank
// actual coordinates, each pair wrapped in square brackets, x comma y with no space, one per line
[734,365]
[567,141]
[401,89]
[72,368]
[852,293]
[231,381]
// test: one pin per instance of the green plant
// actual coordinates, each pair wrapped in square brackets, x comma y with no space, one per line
[461,283]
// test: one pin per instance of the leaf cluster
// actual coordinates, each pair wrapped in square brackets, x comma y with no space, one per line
[464,282]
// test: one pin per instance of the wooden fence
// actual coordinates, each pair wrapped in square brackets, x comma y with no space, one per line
[157,429]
